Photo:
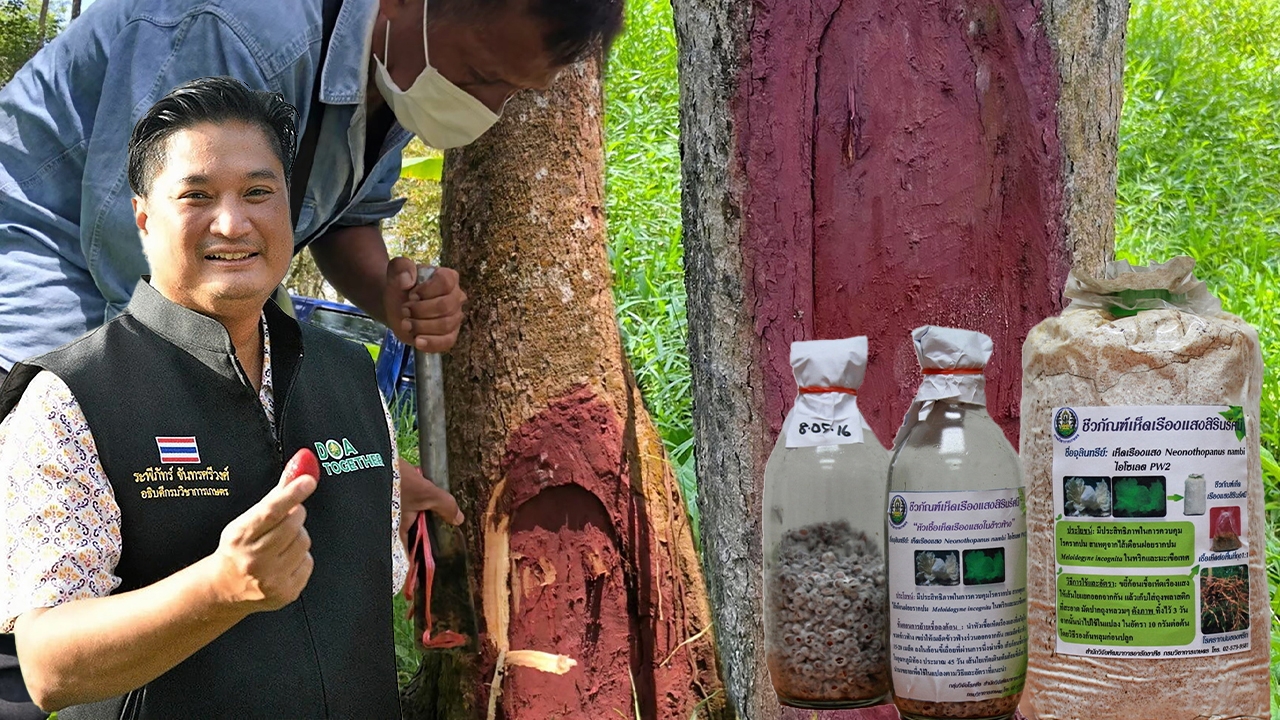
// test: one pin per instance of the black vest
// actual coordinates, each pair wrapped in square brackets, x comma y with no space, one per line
[159,373]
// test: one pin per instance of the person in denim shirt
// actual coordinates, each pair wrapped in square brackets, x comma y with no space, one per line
[70,255]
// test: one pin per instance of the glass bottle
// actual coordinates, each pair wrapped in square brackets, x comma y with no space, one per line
[957,550]
[825,600]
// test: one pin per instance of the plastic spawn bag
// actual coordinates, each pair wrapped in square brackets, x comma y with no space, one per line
[825,597]
[1148,596]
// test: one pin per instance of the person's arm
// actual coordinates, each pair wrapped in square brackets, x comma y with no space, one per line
[353,258]
[96,648]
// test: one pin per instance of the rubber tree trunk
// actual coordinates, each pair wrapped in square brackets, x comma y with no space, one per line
[580,545]
[857,167]
[75,9]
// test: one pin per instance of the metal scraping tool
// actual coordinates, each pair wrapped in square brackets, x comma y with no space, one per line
[444,612]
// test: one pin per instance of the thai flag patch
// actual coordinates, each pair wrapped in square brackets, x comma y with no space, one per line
[178,449]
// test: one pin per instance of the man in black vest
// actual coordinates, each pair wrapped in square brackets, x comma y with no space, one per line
[160,563]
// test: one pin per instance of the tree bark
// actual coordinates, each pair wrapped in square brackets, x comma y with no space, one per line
[580,546]
[75,9]
[859,168]
[44,22]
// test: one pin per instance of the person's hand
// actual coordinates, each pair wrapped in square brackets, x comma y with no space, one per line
[418,494]
[263,558]
[425,317]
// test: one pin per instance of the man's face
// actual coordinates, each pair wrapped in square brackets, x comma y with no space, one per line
[492,54]
[215,224]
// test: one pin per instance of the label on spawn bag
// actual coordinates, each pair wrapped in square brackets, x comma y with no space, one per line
[958,594]
[1150,530]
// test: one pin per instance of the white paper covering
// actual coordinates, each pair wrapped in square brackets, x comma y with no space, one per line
[827,364]
[942,348]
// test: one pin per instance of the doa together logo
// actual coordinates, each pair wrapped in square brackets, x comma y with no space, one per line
[338,457]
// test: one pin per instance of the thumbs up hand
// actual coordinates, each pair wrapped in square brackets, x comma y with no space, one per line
[263,558]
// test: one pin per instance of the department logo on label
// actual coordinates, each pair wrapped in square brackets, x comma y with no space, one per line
[897,511]
[1066,425]
[340,456]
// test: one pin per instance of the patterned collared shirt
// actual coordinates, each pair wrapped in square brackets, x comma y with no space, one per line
[59,521]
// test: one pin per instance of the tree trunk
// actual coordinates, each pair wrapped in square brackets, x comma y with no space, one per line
[854,167]
[44,21]
[580,546]
[75,9]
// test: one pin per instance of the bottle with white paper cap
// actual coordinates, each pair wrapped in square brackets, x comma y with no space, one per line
[956,527]
[825,599]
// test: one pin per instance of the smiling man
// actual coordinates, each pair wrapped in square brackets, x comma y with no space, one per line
[160,562]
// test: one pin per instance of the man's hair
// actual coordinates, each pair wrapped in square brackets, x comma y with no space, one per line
[574,27]
[208,100]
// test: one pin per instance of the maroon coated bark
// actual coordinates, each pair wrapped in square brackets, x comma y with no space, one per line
[923,188]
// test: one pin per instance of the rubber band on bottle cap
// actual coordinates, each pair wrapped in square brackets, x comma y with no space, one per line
[952,371]
[818,389]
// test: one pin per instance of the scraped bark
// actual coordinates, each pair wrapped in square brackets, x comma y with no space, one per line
[854,167]
[589,584]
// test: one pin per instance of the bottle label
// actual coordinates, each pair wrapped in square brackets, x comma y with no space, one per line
[1151,530]
[824,419]
[958,594]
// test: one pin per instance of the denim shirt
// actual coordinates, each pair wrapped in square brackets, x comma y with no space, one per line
[70,254]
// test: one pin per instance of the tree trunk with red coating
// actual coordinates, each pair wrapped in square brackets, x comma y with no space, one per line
[579,542]
[860,167]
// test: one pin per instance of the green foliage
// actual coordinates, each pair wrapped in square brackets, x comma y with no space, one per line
[1271,479]
[642,186]
[415,232]
[408,657]
[20,33]
[422,168]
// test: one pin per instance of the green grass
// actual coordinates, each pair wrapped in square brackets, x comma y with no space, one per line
[642,187]
[1199,174]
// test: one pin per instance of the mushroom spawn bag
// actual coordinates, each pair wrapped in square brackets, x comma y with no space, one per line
[1149,340]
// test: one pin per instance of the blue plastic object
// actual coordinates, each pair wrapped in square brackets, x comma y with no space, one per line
[393,359]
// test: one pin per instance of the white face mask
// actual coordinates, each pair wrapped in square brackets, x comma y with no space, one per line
[442,114]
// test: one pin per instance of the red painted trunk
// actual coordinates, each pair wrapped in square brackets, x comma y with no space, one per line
[922,191]
[572,531]
[591,598]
